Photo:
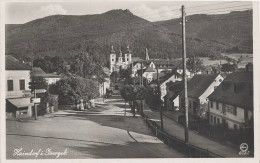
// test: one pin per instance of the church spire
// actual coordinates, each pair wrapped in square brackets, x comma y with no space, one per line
[120,53]
[112,49]
[146,54]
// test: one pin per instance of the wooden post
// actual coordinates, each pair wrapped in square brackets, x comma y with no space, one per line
[184,77]
[159,91]
[35,106]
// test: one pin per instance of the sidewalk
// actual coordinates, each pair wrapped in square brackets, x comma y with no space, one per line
[173,128]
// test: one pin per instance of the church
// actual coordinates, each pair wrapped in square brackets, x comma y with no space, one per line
[120,62]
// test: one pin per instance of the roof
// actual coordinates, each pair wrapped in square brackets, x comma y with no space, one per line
[175,86]
[168,63]
[150,69]
[240,98]
[162,77]
[37,71]
[136,59]
[20,102]
[12,63]
[199,84]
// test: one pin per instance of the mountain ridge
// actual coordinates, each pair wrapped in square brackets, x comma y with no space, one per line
[66,35]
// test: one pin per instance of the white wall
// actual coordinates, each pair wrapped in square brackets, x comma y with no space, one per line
[210,89]
[163,86]
[52,80]
[16,75]
[231,119]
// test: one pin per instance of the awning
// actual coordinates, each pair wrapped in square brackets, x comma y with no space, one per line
[20,102]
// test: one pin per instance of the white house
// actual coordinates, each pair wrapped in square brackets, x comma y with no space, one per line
[171,99]
[164,78]
[17,77]
[199,88]
[232,102]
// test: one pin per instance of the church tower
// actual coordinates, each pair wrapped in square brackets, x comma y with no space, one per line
[112,59]
[128,56]
[120,58]
[146,54]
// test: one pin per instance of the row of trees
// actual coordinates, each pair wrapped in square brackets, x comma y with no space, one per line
[132,93]
[72,90]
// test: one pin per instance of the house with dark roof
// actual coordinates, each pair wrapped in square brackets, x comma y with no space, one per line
[232,102]
[171,99]
[164,78]
[17,77]
[199,88]
[49,77]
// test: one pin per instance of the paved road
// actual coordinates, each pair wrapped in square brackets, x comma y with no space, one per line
[103,132]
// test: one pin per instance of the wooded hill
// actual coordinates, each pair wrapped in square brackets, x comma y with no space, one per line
[66,35]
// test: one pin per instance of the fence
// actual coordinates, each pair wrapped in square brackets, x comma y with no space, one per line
[177,144]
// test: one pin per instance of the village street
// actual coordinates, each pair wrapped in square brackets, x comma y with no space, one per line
[103,132]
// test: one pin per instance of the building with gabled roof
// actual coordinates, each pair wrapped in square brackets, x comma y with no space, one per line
[17,77]
[232,102]
[171,99]
[199,88]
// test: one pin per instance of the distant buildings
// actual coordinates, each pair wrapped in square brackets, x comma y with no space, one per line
[164,78]
[50,78]
[17,76]
[198,89]
[232,102]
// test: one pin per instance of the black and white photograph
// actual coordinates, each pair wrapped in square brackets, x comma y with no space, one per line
[129,80]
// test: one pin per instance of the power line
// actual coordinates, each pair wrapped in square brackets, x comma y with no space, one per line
[210,4]
[233,7]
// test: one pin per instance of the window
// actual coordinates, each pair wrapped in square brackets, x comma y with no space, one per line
[214,120]
[211,104]
[10,85]
[211,119]
[217,105]
[189,103]
[22,84]
[126,59]
[218,120]
[112,60]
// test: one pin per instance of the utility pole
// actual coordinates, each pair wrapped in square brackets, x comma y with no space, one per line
[184,77]
[142,83]
[35,106]
[159,92]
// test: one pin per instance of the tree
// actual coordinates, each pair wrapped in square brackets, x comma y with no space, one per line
[194,65]
[58,64]
[86,66]
[71,90]
[227,67]
[152,97]
[37,83]
[114,76]
[132,93]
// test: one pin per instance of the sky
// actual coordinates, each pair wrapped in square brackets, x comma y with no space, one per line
[23,12]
